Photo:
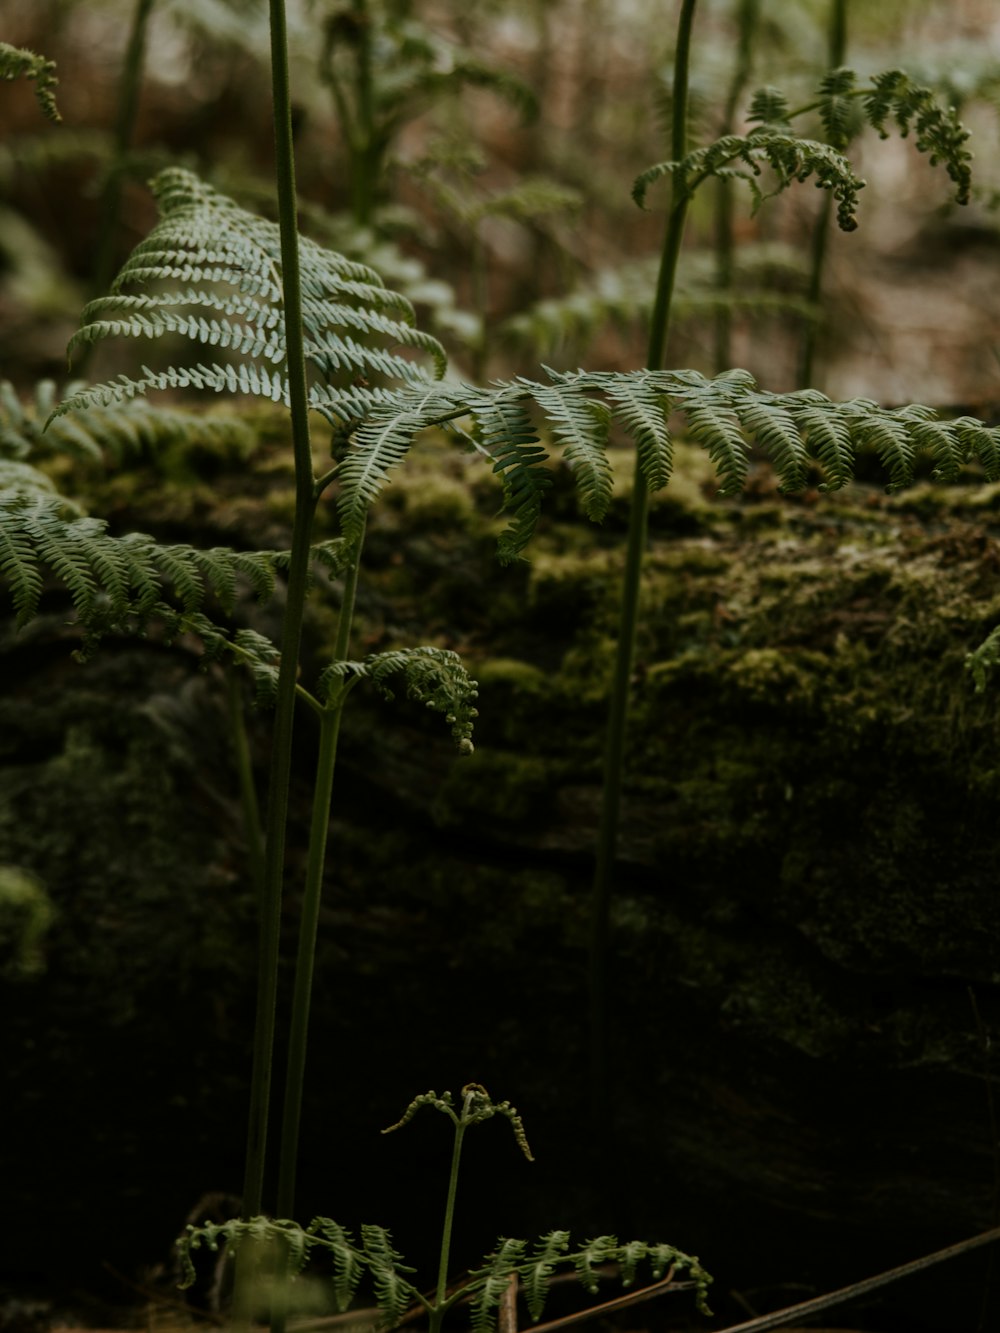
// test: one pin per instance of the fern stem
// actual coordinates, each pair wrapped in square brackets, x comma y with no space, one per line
[128,106]
[836,52]
[326,762]
[724,247]
[440,1305]
[298,569]
[248,790]
[329,731]
[365,156]
[614,753]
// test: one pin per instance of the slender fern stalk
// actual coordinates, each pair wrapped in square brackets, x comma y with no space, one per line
[329,725]
[128,107]
[835,56]
[298,569]
[248,791]
[462,1123]
[614,754]
[724,246]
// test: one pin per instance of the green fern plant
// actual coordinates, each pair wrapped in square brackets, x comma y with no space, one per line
[375,1260]
[263,312]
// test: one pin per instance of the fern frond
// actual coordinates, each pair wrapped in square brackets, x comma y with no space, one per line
[112,434]
[435,677]
[643,412]
[492,1281]
[790,158]
[507,434]
[120,584]
[207,253]
[769,106]
[348,1262]
[380,443]
[539,1267]
[393,1291]
[984,660]
[601,1250]
[580,425]
[790,428]
[829,437]
[774,429]
[838,107]
[21,478]
[17,63]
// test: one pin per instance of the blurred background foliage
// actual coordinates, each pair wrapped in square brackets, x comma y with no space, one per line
[480,156]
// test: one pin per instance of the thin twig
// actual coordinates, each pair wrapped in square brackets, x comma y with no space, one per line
[507,1321]
[792,1313]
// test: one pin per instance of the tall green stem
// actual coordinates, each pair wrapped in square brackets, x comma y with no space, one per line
[329,723]
[439,1307]
[364,165]
[614,754]
[298,569]
[248,791]
[835,54]
[125,118]
[724,247]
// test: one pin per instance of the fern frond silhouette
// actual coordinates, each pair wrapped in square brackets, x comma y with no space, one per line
[18,63]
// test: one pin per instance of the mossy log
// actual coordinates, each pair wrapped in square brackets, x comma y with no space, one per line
[806,930]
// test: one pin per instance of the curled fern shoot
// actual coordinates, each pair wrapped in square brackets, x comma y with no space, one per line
[434,677]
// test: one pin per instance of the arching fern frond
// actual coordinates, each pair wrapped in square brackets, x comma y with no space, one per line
[207,253]
[435,677]
[17,63]
[790,158]
[725,413]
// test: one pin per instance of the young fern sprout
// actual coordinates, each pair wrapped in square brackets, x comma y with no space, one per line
[374,1256]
